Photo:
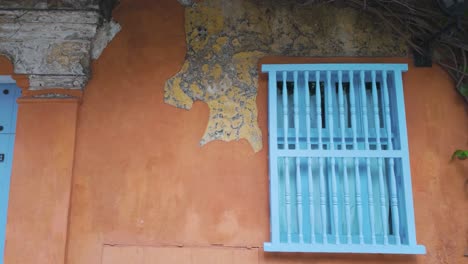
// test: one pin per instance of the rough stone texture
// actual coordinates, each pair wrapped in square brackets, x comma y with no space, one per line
[45,4]
[54,47]
[226,38]
[103,36]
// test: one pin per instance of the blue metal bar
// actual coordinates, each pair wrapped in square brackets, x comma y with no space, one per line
[323,199]
[393,193]
[368,170]
[383,208]
[334,67]
[330,96]
[345,166]
[286,159]
[341,153]
[273,148]
[356,160]
[408,205]
[318,100]
[298,161]
[309,162]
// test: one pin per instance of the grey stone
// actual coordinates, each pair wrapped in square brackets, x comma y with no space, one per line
[46,4]
[41,82]
[54,47]
[103,36]
[186,2]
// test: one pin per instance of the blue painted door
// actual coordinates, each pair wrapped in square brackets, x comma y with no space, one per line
[8,110]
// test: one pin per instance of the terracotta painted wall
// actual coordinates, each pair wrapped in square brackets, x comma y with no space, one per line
[41,181]
[141,182]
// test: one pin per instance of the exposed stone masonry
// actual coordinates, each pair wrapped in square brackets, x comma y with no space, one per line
[54,47]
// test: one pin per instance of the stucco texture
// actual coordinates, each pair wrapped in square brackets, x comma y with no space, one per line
[225,39]
[141,182]
[41,181]
[141,178]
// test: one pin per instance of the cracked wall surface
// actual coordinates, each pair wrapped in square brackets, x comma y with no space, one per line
[225,39]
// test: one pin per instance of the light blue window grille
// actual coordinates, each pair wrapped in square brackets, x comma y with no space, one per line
[339,167]
[8,109]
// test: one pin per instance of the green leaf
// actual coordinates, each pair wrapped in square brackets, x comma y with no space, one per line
[460,154]
[464,90]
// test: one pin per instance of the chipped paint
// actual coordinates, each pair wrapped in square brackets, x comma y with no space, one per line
[225,40]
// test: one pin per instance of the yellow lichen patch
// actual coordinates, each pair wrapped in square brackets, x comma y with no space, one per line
[250,130]
[222,123]
[236,43]
[216,71]
[205,68]
[202,21]
[174,95]
[196,90]
[220,42]
[245,63]
[185,67]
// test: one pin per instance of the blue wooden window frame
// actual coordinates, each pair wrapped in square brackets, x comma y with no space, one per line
[338,155]
[9,93]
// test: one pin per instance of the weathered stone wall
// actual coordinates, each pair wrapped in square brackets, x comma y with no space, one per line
[226,38]
[54,47]
[50,4]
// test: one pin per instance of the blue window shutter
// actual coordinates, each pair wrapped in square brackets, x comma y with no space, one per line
[8,111]
[339,165]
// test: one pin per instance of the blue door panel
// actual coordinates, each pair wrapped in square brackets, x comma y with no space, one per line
[8,95]
[6,154]
[8,111]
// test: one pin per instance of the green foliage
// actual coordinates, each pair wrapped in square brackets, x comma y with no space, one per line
[464,90]
[460,154]
[464,86]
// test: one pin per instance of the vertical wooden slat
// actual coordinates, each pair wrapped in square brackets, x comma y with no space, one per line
[357,175]
[383,212]
[408,220]
[309,161]
[393,194]
[345,166]
[286,159]
[274,180]
[323,198]
[330,96]
[298,160]
[368,170]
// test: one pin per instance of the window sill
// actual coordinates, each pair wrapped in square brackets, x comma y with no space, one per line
[344,248]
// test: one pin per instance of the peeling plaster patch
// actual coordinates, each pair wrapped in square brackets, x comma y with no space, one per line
[226,38]
[103,37]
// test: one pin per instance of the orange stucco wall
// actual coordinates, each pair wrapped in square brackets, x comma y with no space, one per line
[41,181]
[141,180]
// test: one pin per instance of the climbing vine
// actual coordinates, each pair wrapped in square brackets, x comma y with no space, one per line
[416,21]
